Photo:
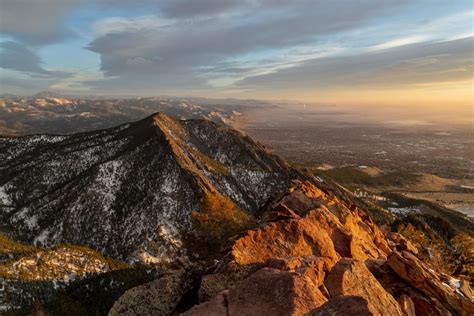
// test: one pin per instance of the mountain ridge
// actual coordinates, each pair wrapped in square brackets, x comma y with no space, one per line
[125,170]
[209,221]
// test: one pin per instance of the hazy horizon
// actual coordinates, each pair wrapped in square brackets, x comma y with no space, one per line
[406,115]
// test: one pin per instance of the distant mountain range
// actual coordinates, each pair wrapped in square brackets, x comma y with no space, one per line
[48,112]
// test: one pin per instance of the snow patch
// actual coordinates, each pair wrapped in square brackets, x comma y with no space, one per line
[4,196]
[165,233]
[42,238]
[108,180]
[403,210]
[169,184]
[32,222]
[146,258]
[455,283]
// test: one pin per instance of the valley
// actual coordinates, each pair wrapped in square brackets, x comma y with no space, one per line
[431,161]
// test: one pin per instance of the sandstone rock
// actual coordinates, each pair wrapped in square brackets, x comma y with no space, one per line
[426,280]
[292,265]
[345,306]
[324,291]
[466,289]
[316,269]
[311,222]
[318,233]
[424,306]
[300,199]
[351,277]
[288,263]
[281,212]
[159,297]
[292,238]
[305,237]
[212,284]
[274,292]
[311,233]
[401,243]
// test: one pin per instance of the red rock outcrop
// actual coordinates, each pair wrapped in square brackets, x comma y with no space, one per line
[435,285]
[274,292]
[316,224]
[317,255]
[268,291]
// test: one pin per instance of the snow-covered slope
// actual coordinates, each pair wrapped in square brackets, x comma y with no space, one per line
[118,188]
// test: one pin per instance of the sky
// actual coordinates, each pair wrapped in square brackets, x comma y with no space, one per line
[403,52]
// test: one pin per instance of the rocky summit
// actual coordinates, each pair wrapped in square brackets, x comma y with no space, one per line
[167,217]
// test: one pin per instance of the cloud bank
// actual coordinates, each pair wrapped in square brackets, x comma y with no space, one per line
[228,47]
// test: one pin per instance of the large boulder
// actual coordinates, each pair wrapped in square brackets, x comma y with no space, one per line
[352,278]
[230,276]
[292,238]
[266,292]
[275,292]
[159,297]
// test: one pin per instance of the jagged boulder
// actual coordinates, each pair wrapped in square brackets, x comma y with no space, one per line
[330,229]
[229,276]
[293,238]
[274,292]
[442,288]
[401,243]
[352,278]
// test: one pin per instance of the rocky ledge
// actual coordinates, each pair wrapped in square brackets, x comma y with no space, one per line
[313,254]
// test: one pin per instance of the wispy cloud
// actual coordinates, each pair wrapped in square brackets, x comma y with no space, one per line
[401,42]
[418,63]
